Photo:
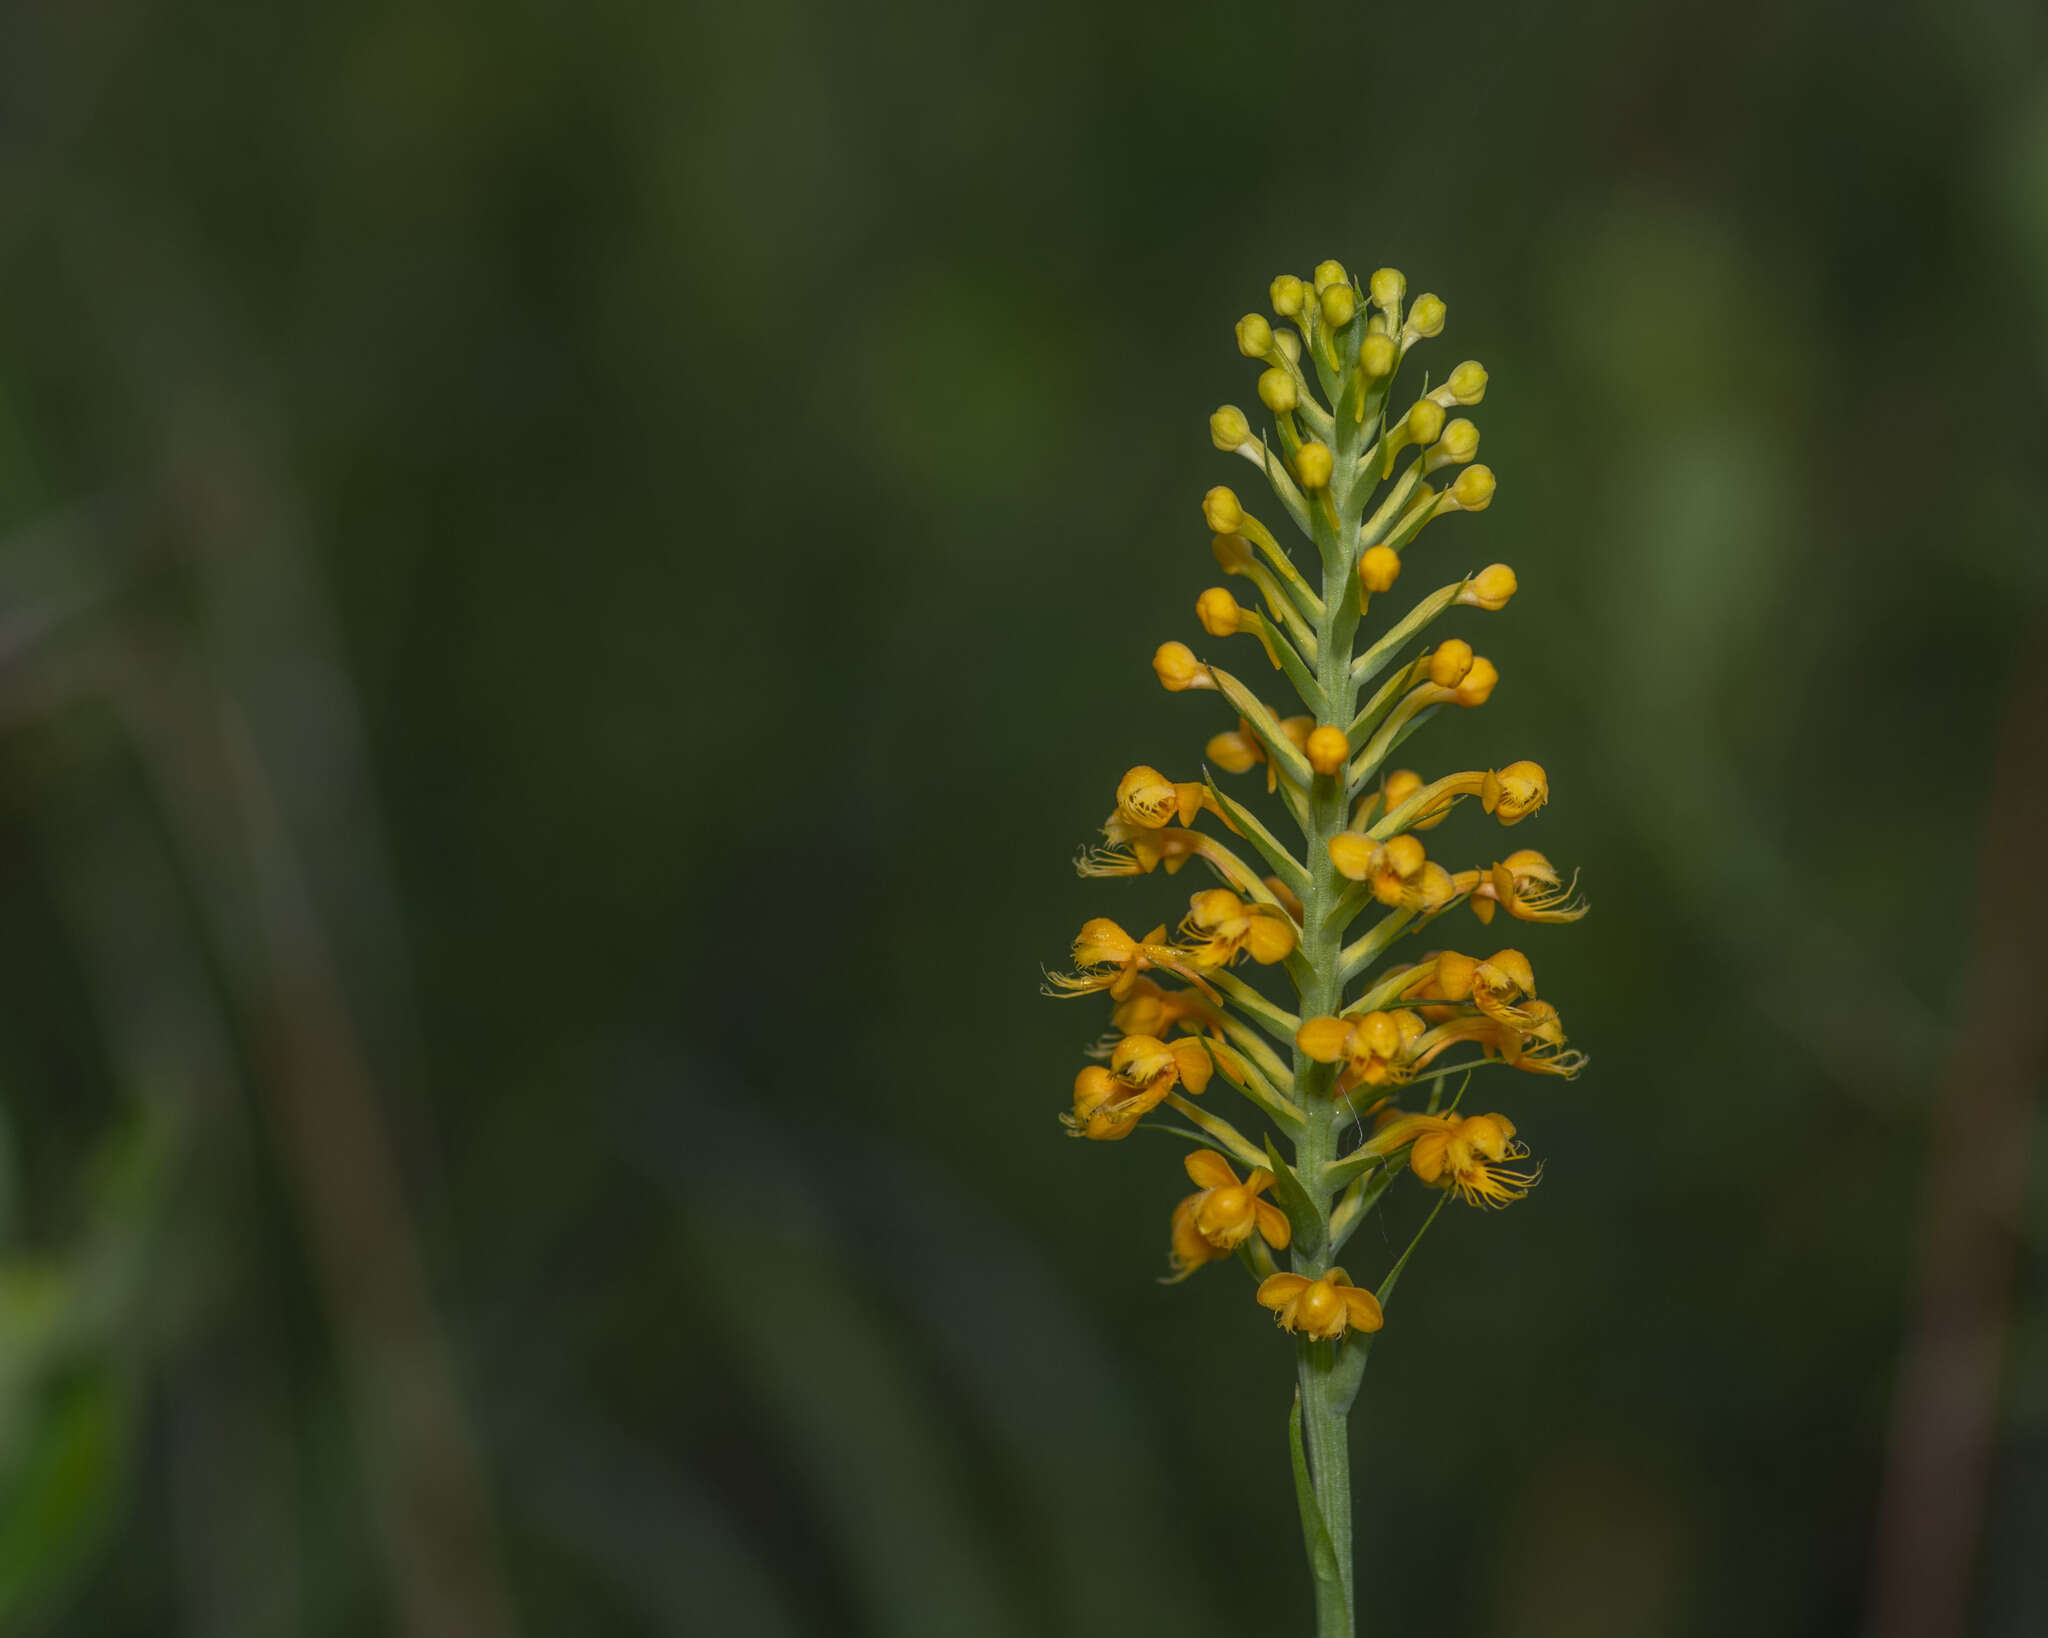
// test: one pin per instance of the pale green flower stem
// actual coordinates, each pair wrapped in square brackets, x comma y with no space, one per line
[1328,1374]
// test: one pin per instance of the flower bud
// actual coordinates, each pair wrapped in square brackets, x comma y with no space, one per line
[1233,556]
[1235,751]
[1178,670]
[1329,274]
[1220,507]
[1287,293]
[1473,492]
[1450,662]
[1219,612]
[1312,464]
[1490,588]
[1426,317]
[1459,443]
[1328,751]
[1388,287]
[1228,428]
[1289,343]
[1278,392]
[1377,356]
[1424,422]
[1398,786]
[1467,384]
[1254,336]
[1477,688]
[1340,305]
[1379,568]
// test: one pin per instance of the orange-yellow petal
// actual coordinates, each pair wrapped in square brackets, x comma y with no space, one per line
[1189,1250]
[1426,1157]
[1324,1039]
[1192,1060]
[1352,854]
[1102,940]
[1207,1169]
[1270,939]
[1273,1224]
[1277,1290]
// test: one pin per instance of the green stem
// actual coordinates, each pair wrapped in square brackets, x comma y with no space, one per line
[1325,1412]
[1325,1402]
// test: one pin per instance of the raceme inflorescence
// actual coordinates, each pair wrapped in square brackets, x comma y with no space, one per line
[1361,1080]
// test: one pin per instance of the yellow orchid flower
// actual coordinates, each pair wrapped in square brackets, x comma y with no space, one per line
[1142,1070]
[1220,927]
[1324,1307]
[1224,1213]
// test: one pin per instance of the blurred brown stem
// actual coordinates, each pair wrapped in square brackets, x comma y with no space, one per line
[424,1484]
[1945,1408]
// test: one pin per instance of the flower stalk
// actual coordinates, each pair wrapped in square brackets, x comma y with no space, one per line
[1355,478]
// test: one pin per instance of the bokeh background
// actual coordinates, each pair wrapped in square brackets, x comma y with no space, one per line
[571,578]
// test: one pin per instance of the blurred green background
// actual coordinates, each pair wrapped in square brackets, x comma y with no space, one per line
[571,578]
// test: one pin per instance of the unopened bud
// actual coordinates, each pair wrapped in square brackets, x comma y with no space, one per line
[1220,508]
[1450,662]
[1278,392]
[1235,751]
[1328,750]
[1219,612]
[1425,421]
[1379,568]
[1312,463]
[1459,443]
[1228,428]
[1254,336]
[1388,287]
[1340,305]
[1377,356]
[1490,588]
[1426,316]
[1398,786]
[1328,274]
[1467,384]
[1473,492]
[1287,292]
[1233,556]
[1289,343]
[1477,688]
[1178,670]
